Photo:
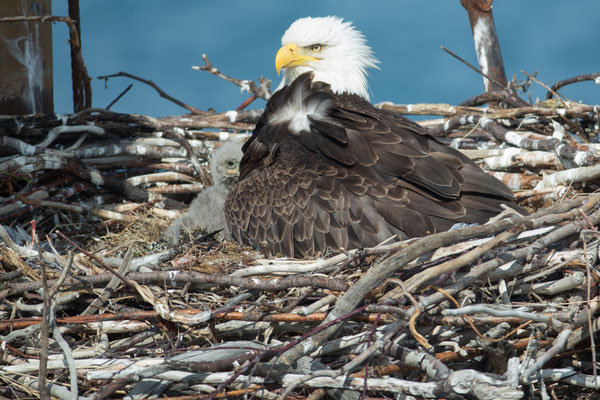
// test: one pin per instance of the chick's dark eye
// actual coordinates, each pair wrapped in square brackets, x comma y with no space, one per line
[316,47]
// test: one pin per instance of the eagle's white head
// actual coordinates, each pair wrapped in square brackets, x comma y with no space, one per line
[332,49]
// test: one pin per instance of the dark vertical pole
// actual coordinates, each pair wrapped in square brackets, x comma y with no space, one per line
[486,41]
[26,59]
[81,99]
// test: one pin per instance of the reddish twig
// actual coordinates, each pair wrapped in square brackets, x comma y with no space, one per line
[247,102]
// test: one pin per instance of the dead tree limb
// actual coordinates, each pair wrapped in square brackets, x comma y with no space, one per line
[486,41]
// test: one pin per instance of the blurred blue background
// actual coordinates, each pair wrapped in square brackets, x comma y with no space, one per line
[160,41]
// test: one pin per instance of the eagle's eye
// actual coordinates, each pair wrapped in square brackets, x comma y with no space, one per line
[317,47]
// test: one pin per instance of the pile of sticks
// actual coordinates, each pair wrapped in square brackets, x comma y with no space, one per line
[93,304]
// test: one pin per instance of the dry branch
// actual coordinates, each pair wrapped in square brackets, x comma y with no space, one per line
[263,90]
[595,77]
[153,85]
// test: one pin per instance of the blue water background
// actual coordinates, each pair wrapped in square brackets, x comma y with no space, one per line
[161,40]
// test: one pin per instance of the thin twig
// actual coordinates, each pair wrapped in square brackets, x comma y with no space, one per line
[533,78]
[119,96]
[580,78]
[263,90]
[247,102]
[161,92]
[45,331]
[517,99]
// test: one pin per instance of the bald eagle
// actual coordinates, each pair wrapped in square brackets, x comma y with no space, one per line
[324,170]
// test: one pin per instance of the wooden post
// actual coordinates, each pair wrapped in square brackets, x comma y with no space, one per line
[486,41]
[26,59]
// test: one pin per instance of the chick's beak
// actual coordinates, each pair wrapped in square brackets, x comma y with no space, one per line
[291,55]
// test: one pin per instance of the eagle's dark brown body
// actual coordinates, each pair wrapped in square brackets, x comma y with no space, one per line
[348,175]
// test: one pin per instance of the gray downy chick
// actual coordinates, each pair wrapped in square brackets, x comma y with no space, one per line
[206,211]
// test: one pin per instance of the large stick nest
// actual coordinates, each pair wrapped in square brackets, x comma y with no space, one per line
[93,297]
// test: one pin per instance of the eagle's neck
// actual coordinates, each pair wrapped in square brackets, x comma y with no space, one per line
[342,79]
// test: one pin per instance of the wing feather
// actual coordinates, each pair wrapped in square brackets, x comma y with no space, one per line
[352,177]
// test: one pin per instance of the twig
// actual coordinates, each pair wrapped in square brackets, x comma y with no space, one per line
[516,99]
[247,102]
[263,90]
[496,312]
[474,68]
[110,287]
[458,383]
[557,347]
[533,78]
[24,251]
[110,269]
[179,134]
[580,78]
[161,92]
[494,96]
[571,377]
[119,96]
[45,333]
[588,298]
[69,359]
[178,277]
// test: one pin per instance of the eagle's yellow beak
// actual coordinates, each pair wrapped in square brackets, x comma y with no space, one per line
[291,55]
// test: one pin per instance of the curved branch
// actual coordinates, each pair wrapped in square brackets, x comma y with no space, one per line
[161,92]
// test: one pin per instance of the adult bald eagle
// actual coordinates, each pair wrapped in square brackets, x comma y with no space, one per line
[325,170]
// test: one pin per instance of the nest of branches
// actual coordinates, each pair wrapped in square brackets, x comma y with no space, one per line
[93,303]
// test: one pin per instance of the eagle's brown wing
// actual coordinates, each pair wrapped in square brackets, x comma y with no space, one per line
[324,172]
